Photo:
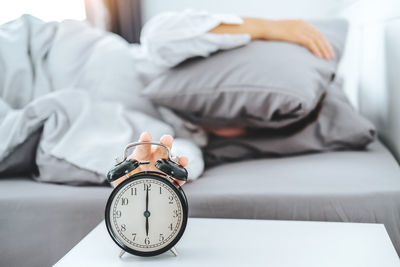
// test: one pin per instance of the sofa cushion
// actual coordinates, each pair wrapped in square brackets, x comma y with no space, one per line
[40,222]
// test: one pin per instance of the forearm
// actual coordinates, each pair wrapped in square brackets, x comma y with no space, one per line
[294,31]
[254,27]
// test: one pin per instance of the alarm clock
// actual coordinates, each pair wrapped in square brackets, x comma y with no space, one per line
[147,213]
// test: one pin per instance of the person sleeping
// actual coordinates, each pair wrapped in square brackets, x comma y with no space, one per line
[295,31]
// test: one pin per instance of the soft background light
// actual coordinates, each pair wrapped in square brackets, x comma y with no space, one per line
[47,10]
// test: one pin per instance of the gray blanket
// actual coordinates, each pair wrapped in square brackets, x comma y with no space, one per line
[76,90]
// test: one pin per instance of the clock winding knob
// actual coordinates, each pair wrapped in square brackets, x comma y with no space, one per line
[172,169]
[122,169]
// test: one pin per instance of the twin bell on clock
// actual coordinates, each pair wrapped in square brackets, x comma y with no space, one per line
[147,213]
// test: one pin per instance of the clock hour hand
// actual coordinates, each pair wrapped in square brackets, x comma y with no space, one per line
[147,226]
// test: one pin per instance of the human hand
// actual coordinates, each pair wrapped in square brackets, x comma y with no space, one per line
[145,152]
[294,31]
[299,32]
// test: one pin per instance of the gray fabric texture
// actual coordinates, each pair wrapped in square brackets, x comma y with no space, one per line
[334,125]
[344,186]
[41,222]
[263,85]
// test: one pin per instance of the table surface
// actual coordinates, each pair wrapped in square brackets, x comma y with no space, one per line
[233,242]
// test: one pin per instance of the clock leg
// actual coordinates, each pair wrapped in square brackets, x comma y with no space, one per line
[173,250]
[121,253]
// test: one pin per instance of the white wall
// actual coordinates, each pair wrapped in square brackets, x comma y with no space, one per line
[255,8]
[392,130]
[374,64]
[47,10]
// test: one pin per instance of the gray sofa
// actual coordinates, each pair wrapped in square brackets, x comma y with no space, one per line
[39,222]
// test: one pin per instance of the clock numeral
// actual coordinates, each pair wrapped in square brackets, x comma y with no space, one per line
[161,239]
[147,241]
[160,190]
[175,213]
[124,201]
[170,227]
[123,227]
[118,214]
[133,191]
[147,186]
[170,198]
[133,236]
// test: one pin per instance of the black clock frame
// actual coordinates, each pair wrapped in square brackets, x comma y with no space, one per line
[162,178]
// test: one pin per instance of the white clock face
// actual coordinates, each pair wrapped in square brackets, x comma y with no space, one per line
[146,215]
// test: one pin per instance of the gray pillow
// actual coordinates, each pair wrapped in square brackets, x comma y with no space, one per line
[333,125]
[264,84]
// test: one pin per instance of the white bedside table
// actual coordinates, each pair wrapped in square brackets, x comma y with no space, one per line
[227,242]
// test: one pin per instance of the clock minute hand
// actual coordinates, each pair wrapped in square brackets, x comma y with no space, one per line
[147,211]
[147,199]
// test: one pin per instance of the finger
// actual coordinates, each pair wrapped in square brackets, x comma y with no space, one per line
[180,182]
[117,182]
[167,140]
[320,45]
[183,161]
[142,151]
[323,43]
[309,43]
[162,152]
[329,47]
